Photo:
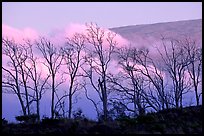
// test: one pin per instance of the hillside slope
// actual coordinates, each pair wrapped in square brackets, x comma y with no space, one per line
[150,33]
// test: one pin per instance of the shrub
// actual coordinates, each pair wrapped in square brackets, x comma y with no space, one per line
[158,127]
[101,129]
[78,114]
[127,121]
[50,121]
[146,119]
[123,118]
[27,118]
[4,121]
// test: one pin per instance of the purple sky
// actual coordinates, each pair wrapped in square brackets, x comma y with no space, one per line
[49,15]
[46,17]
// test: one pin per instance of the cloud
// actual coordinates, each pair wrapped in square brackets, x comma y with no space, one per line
[57,36]
[73,28]
[19,35]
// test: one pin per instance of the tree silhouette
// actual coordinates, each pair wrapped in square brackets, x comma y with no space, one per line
[53,60]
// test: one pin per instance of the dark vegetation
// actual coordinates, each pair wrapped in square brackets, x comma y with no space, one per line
[172,121]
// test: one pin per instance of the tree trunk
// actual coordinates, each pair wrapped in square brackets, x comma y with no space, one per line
[27,100]
[197,96]
[26,90]
[135,106]
[53,92]
[177,101]
[105,102]
[104,98]
[19,95]
[38,106]
[141,110]
[105,107]
[181,101]
[70,106]
[38,110]
[70,100]
[22,105]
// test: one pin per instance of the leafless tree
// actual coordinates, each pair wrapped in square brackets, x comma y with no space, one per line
[39,83]
[154,71]
[195,67]
[143,72]
[15,75]
[176,60]
[129,82]
[24,75]
[98,59]
[53,60]
[72,58]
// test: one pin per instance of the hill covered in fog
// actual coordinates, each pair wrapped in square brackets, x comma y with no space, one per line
[149,33]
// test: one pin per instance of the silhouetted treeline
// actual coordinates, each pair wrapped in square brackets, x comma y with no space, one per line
[129,81]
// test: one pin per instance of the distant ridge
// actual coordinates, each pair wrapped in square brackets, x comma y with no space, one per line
[149,33]
[194,20]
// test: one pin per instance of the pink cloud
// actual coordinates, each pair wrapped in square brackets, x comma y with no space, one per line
[79,28]
[56,36]
[121,41]
[75,28]
[19,35]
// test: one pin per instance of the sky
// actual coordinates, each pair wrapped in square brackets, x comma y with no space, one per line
[31,19]
[44,16]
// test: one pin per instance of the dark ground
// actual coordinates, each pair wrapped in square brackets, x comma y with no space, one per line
[173,121]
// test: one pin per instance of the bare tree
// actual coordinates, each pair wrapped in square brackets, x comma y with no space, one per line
[195,67]
[98,60]
[145,80]
[39,83]
[176,61]
[72,58]
[11,78]
[14,74]
[24,74]
[154,71]
[53,60]
[129,82]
